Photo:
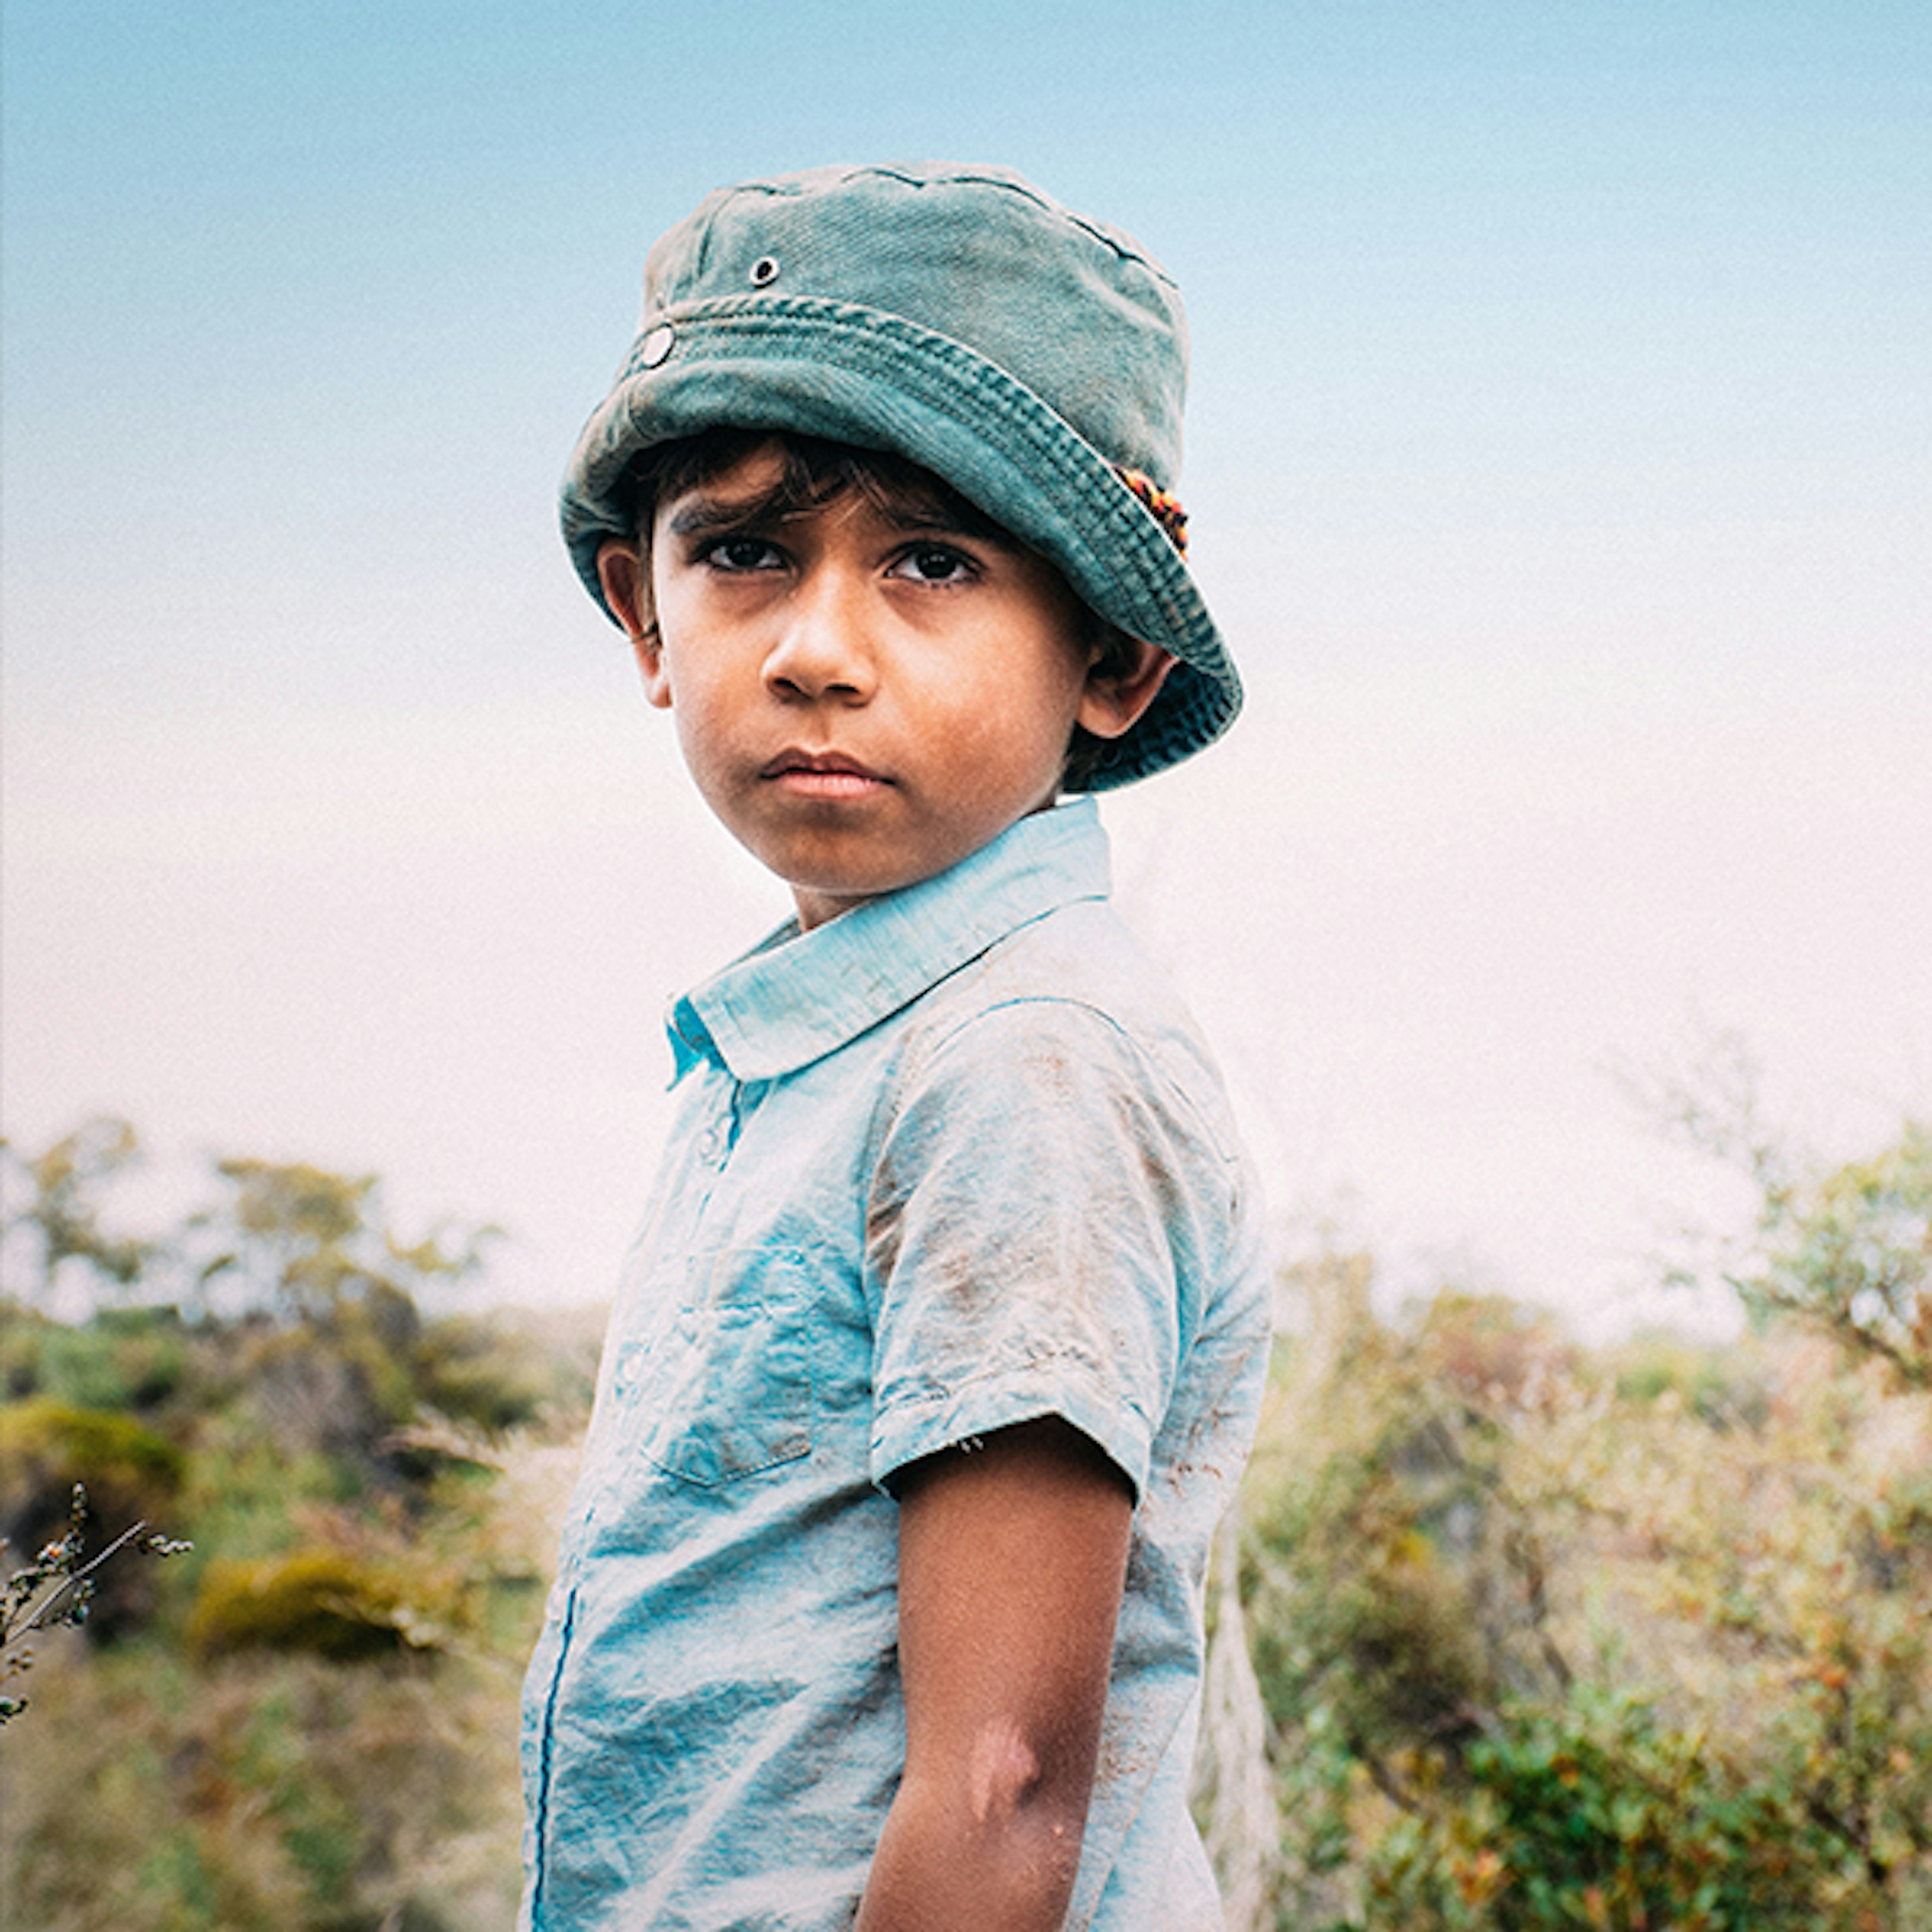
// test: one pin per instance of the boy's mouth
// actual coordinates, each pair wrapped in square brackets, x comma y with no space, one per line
[823,774]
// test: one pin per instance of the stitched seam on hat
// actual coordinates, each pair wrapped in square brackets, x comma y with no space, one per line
[966,175]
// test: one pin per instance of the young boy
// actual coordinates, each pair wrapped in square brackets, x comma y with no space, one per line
[938,1354]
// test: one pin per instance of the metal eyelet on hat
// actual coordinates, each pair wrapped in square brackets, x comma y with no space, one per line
[764,271]
[656,345]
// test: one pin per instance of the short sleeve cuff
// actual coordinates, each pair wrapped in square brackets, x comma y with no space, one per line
[921,1425]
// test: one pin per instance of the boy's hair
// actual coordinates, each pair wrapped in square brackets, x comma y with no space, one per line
[816,472]
[1032,359]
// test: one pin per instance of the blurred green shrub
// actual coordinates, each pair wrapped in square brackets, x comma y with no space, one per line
[311,1725]
[1545,1638]
[131,1474]
[125,1464]
[134,1359]
[261,1793]
[487,1374]
[327,1602]
[1637,1640]
[1595,1812]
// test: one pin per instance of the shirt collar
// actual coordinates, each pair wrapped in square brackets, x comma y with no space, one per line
[798,996]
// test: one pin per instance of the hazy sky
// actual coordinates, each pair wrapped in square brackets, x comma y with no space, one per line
[1559,466]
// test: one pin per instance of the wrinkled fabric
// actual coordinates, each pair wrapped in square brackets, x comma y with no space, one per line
[952,1161]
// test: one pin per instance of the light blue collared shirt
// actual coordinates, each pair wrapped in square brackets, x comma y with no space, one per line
[954,1160]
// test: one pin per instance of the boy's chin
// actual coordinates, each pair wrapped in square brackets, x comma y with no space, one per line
[824,892]
[827,876]
[821,891]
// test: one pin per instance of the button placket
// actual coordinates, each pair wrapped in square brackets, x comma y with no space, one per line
[720,1135]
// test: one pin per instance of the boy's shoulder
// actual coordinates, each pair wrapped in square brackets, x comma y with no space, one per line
[1074,987]
[1082,953]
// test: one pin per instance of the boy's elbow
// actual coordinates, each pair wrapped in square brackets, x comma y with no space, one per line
[1005,1785]
[1018,1790]
[987,1833]
[992,1849]
[1005,1775]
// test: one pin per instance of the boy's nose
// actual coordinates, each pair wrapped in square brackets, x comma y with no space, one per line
[823,650]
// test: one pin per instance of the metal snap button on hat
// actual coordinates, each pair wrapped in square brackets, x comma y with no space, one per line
[656,345]
[764,271]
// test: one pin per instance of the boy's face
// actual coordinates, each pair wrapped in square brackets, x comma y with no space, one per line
[864,695]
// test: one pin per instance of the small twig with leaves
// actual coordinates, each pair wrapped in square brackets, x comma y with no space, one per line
[55,1589]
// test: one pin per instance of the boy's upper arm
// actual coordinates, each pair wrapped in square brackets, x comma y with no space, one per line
[1011,1560]
[1040,1206]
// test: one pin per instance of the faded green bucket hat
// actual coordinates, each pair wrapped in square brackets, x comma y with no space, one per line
[1033,359]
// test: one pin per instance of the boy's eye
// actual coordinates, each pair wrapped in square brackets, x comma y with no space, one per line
[933,563]
[741,553]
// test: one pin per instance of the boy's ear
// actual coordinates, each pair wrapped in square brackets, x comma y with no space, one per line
[626,577]
[1115,700]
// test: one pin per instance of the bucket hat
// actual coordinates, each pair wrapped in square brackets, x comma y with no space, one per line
[957,317]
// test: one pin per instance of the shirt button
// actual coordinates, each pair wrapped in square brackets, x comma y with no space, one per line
[710,1145]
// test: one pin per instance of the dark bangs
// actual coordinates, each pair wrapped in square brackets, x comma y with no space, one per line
[815,472]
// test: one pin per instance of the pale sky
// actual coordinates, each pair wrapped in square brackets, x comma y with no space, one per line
[1559,466]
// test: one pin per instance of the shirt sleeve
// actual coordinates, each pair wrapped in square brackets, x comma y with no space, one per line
[1033,1229]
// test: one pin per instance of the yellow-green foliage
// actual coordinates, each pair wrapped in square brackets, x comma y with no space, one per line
[1548,1642]
[326,1601]
[487,1373]
[131,1474]
[1851,1254]
[332,1747]
[261,1793]
[114,1455]
[125,1360]
[1545,1640]
[311,1724]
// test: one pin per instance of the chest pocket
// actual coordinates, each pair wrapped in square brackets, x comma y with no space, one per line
[724,1390]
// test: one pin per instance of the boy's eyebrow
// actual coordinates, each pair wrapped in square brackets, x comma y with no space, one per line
[702,513]
[942,520]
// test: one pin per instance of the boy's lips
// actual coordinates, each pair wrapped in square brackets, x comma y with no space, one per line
[823,774]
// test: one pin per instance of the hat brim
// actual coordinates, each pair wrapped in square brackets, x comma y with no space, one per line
[861,376]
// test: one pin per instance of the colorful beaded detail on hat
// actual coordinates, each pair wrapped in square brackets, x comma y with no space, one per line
[1163,503]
